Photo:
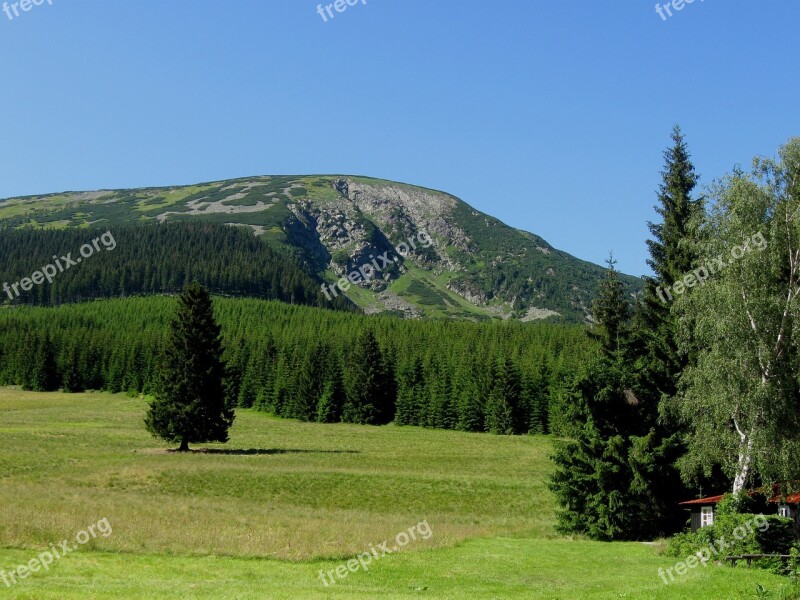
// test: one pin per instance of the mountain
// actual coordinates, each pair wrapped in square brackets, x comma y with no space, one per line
[406,249]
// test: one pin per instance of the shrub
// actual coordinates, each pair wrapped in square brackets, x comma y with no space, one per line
[735,533]
[688,543]
[779,537]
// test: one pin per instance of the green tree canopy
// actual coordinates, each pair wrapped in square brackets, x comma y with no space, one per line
[741,398]
[190,404]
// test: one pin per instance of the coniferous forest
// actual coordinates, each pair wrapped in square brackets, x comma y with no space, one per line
[313,364]
[157,259]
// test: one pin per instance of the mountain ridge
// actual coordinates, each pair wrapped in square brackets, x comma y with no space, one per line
[476,266]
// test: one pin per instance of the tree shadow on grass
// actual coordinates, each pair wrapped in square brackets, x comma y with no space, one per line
[261,451]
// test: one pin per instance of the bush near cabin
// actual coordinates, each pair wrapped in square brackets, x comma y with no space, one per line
[735,533]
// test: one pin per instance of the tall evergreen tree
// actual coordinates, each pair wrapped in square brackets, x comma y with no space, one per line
[42,373]
[624,456]
[369,384]
[310,381]
[467,395]
[673,253]
[535,385]
[332,400]
[441,411]
[505,412]
[411,381]
[612,312]
[670,257]
[603,478]
[190,405]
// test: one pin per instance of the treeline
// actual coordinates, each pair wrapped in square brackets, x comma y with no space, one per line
[310,363]
[695,390]
[155,259]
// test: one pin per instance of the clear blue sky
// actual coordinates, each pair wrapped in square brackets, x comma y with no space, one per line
[550,114]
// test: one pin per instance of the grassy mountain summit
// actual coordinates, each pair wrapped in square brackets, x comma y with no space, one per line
[474,266]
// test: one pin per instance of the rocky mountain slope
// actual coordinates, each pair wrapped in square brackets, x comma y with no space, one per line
[403,248]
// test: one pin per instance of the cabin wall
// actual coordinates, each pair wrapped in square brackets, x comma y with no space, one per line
[695,519]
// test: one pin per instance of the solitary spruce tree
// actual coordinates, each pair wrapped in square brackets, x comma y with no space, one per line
[190,403]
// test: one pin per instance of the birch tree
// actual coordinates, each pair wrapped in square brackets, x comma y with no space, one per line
[740,314]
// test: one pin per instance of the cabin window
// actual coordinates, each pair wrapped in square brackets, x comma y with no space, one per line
[784,511]
[706,516]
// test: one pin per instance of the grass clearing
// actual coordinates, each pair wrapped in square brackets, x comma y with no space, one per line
[260,516]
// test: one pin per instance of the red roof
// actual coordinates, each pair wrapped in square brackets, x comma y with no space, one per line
[708,500]
[777,497]
[788,498]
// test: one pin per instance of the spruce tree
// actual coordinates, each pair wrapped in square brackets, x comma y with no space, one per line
[593,481]
[190,404]
[612,313]
[369,384]
[505,413]
[441,408]
[332,399]
[469,402]
[309,382]
[672,256]
[622,462]
[535,386]
[43,375]
[674,252]
[411,382]
[71,375]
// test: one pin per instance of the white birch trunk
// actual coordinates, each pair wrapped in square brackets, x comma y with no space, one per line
[743,466]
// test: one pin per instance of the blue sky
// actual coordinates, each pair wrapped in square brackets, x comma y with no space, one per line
[551,115]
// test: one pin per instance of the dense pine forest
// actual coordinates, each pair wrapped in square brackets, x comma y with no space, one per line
[157,259]
[314,364]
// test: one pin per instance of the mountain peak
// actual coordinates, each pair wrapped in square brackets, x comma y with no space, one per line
[474,266]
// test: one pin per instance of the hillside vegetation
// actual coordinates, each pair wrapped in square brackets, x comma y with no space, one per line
[477,267]
[151,259]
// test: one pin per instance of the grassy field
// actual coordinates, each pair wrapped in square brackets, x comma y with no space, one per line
[261,516]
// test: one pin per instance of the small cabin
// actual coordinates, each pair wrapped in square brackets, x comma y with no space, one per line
[703,510]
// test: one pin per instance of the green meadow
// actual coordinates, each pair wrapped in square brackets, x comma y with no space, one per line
[259,517]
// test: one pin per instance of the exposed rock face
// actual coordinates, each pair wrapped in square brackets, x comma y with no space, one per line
[399,209]
[370,221]
[539,313]
[367,218]
[469,292]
